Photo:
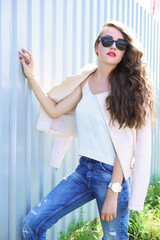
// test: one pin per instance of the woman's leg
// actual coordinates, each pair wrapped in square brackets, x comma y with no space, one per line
[69,194]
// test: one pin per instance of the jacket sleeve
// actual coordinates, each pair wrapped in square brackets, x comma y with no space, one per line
[142,167]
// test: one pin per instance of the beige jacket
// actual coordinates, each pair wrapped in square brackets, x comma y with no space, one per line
[127,142]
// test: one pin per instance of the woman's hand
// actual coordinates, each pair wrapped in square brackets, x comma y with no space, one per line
[27,62]
[109,209]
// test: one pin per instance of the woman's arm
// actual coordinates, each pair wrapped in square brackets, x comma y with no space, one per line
[109,209]
[52,108]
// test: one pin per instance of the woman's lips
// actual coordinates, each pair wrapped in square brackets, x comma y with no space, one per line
[111,54]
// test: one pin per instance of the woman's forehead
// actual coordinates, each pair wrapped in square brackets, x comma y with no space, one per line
[113,32]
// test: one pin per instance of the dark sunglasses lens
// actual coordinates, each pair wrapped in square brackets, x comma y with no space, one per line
[107,42]
[121,45]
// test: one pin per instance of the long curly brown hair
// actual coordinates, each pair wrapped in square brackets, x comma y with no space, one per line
[131,99]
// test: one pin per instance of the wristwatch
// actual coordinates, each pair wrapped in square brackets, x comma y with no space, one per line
[116,187]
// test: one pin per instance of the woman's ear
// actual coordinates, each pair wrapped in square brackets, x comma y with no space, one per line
[96,49]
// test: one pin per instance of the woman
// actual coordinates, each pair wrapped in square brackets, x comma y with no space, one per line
[111,104]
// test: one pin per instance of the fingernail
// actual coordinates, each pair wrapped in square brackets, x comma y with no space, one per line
[20,58]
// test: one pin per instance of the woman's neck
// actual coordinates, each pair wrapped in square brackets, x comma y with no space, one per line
[103,71]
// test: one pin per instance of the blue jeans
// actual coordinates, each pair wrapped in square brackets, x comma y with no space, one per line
[89,181]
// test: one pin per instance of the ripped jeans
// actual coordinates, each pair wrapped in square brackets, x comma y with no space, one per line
[89,181]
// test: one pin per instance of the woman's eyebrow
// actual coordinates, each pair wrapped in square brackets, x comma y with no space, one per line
[112,37]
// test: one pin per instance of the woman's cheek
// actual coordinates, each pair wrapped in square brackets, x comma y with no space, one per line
[122,54]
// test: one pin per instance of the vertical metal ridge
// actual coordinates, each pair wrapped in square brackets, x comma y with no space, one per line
[41,135]
[74,37]
[105,11]
[64,46]
[53,59]
[99,3]
[111,9]
[83,14]
[133,14]
[1,152]
[13,127]
[28,113]
[129,13]
[13,124]
[90,31]
[53,81]
[5,104]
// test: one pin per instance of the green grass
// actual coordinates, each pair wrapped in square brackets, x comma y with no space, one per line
[146,225]
[80,229]
[142,225]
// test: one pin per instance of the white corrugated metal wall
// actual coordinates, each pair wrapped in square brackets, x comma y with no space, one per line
[61,35]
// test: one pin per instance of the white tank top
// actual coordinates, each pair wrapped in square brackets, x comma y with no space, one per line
[93,137]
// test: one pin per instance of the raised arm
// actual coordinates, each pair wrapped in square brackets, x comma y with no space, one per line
[52,108]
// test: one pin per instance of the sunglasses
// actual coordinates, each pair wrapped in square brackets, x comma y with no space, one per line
[108,42]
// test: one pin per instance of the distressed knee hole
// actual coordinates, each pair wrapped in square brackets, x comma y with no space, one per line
[41,203]
[33,212]
[112,233]
[24,232]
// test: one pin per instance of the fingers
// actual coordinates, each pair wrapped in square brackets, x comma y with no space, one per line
[27,58]
[27,62]
[115,215]
[22,61]
[23,54]
[27,55]
[102,217]
[108,217]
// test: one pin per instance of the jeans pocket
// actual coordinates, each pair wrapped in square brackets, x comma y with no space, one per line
[107,168]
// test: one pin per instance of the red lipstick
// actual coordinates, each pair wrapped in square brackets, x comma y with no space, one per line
[111,54]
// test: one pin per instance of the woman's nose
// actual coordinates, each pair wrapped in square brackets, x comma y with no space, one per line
[113,46]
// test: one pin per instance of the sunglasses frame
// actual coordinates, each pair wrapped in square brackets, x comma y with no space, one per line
[116,41]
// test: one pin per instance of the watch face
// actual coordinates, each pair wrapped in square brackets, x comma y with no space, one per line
[116,187]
